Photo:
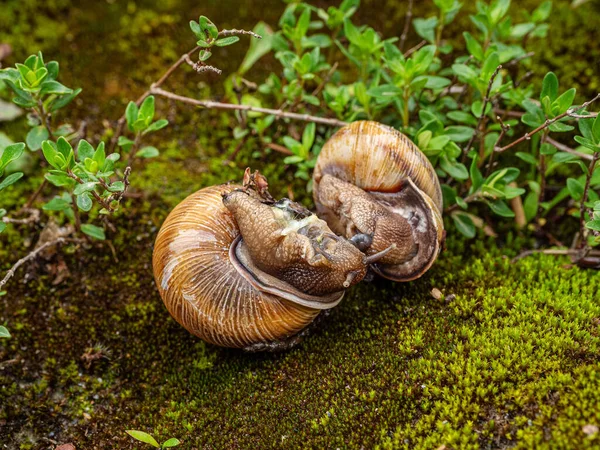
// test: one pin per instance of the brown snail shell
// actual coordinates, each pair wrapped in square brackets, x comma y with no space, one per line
[196,263]
[393,177]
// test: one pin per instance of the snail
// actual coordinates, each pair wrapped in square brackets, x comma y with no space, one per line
[239,269]
[372,185]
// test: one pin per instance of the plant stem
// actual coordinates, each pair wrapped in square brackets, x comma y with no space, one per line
[407,21]
[76,214]
[230,106]
[584,198]
[30,256]
[405,115]
[548,122]
[486,100]
[567,149]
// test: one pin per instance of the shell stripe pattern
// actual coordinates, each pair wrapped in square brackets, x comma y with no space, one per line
[391,157]
[202,289]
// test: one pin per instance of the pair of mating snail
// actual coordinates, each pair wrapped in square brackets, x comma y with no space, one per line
[239,269]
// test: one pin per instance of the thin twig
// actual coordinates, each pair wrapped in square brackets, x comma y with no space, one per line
[201,67]
[504,129]
[34,216]
[486,100]
[234,32]
[231,106]
[564,148]
[581,116]
[548,122]
[410,51]
[518,59]
[407,21]
[30,256]
[322,84]
[279,148]
[100,200]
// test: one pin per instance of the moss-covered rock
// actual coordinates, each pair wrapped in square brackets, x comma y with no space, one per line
[510,358]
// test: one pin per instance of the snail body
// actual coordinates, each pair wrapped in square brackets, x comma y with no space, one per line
[372,185]
[238,269]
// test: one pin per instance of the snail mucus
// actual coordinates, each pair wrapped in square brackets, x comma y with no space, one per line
[237,268]
[372,185]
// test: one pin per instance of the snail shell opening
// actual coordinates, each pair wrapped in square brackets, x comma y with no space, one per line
[205,289]
[391,169]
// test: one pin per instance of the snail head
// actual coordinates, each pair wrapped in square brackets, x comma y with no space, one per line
[287,241]
[370,226]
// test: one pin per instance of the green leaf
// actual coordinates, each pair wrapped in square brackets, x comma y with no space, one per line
[59,179]
[84,202]
[527,157]
[462,117]
[84,187]
[530,205]
[56,204]
[454,169]
[173,442]
[36,136]
[147,110]
[11,179]
[476,176]
[308,136]
[459,133]
[426,28]
[11,153]
[474,47]
[592,225]
[100,155]
[498,10]
[155,126]
[575,188]
[549,87]
[564,102]
[117,186]
[98,233]
[596,129]
[2,228]
[50,153]
[84,150]
[147,152]
[224,42]
[385,91]
[489,67]
[258,47]
[501,208]
[139,435]
[542,12]
[64,100]
[303,23]
[464,224]
[465,72]
[131,114]
[4,333]
[54,87]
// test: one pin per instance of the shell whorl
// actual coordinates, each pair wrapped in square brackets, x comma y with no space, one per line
[376,157]
[389,167]
[202,289]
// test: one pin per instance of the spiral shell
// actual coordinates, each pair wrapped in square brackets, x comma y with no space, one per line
[386,164]
[201,286]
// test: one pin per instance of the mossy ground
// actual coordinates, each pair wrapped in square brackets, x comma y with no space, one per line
[512,360]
